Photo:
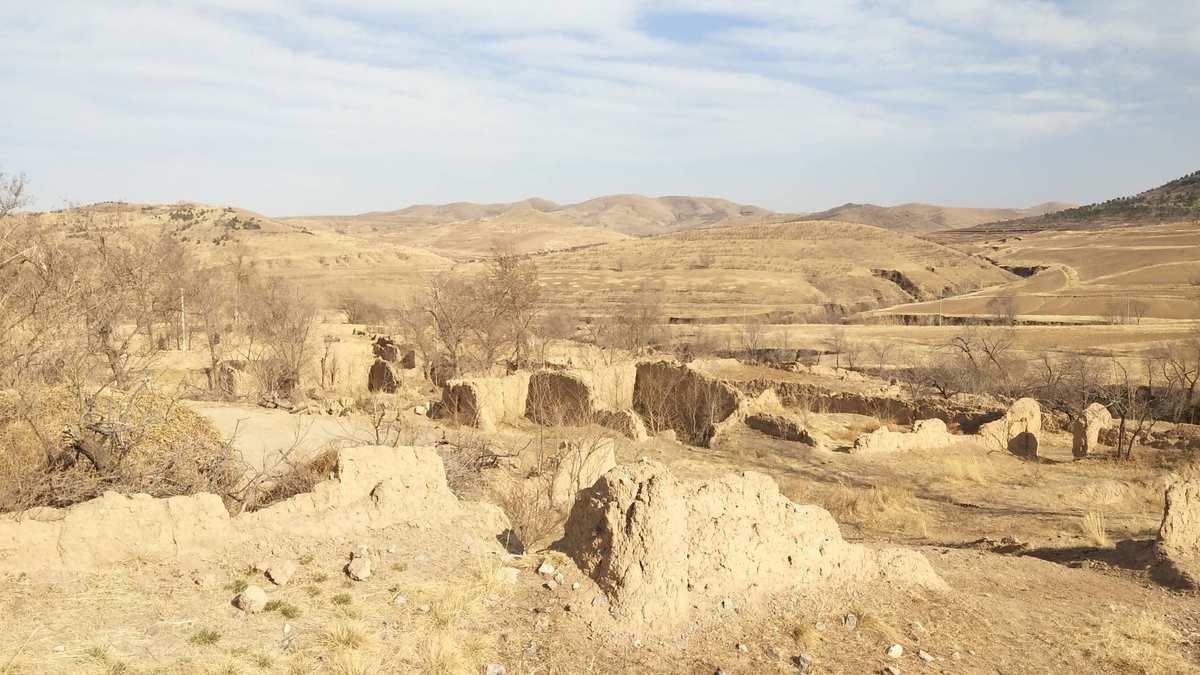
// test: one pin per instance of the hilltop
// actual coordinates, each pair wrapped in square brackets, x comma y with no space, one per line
[468,230]
[916,218]
[1178,200]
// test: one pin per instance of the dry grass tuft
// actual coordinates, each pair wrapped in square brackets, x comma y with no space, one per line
[1138,644]
[889,509]
[1094,529]
[345,635]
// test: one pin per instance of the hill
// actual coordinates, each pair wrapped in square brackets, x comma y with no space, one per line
[325,262]
[914,218]
[781,272]
[467,230]
[1178,200]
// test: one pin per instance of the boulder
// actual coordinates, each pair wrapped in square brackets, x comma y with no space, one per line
[252,600]
[1085,430]
[1018,431]
[659,547]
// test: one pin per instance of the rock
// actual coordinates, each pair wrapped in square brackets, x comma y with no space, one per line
[890,670]
[918,630]
[1019,431]
[850,621]
[657,546]
[551,585]
[400,600]
[424,609]
[1085,430]
[280,572]
[546,569]
[559,578]
[895,651]
[494,669]
[252,600]
[802,662]
[599,601]
[742,648]
[575,586]
[359,567]
[925,656]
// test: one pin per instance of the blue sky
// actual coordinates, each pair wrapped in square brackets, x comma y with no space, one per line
[327,106]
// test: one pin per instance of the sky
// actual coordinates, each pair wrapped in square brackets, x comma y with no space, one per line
[346,106]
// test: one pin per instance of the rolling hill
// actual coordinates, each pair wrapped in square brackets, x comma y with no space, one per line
[779,272]
[914,218]
[467,230]
[1176,201]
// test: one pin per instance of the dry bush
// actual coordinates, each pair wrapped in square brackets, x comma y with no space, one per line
[142,442]
[1094,529]
[531,514]
[886,509]
[299,478]
[1137,644]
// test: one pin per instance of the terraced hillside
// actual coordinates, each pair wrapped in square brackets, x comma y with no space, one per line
[783,272]
[1122,275]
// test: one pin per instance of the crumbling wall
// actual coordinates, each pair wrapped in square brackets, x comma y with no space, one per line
[779,426]
[926,434]
[1019,431]
[485,402]
[658,547]
[672,396]
[625,422]
[573,397]
[1177,550]
[374,486]
[1085,430]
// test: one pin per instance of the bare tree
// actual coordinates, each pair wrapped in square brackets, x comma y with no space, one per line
[1004,308]
[283,318]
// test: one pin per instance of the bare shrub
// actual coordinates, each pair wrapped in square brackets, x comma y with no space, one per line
[299,478]
[361,310]
[1094,529]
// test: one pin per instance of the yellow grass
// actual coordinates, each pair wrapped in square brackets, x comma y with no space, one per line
[1094,529]
[888,508]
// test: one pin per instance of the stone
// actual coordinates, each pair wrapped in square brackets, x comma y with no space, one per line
[400,600]
[890,670]
[359,567]
[252,600]
[280,572]
[546,569]
[802,662]
[551,585]
[742,648]
[494,669]
[850,621]
[925,656]
[895,651]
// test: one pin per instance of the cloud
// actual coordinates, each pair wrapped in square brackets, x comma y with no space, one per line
[516,95]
